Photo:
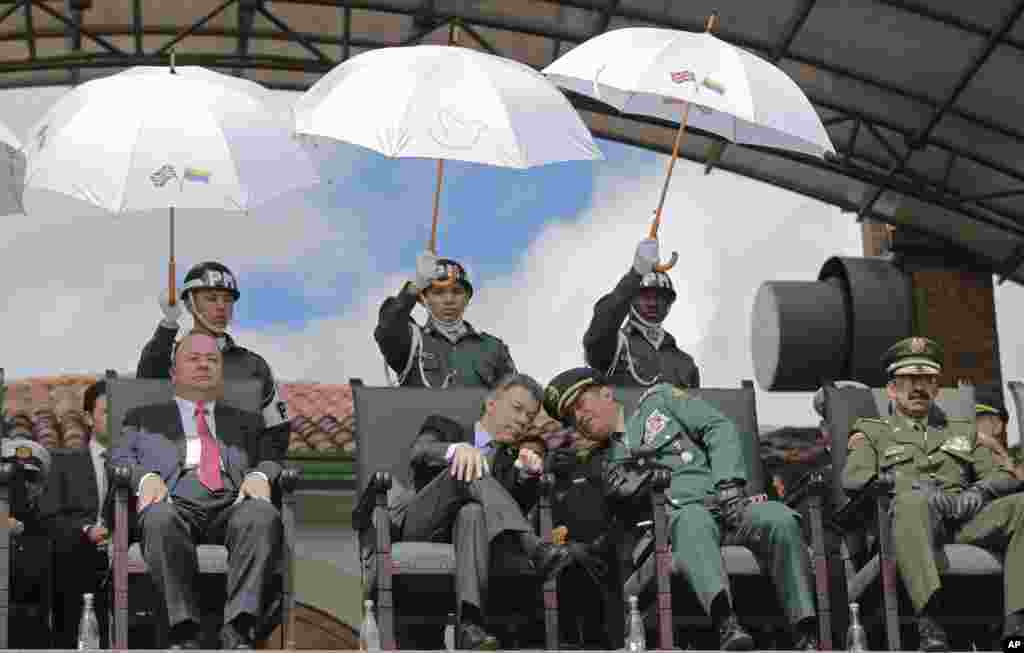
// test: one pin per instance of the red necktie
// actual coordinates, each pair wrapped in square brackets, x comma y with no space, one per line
[209,457]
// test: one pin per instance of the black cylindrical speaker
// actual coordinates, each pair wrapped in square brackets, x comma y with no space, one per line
[804,333]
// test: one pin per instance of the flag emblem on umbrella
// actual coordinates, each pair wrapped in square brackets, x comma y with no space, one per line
[681,76]
[197,174]
[163,175]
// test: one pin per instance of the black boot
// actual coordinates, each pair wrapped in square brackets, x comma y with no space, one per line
[933,635]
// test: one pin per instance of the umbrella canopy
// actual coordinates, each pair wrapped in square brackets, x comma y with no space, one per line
[734,93]
[12,172]
[152,138]
[443,102]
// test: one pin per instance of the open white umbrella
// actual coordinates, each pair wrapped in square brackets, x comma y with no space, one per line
[12,172]
[152,138]
[662,73]
[444,102]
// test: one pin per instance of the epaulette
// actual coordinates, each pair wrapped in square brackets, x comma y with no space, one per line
[876,420]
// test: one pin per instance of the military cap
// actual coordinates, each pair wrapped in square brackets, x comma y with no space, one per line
[32,455]
[989,401]
[563,391]
[915,355]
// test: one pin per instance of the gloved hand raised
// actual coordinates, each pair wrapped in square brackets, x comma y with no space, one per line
[426,270]
[646,256]
[171,313]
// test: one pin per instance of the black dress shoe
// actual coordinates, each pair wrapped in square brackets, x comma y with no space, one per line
[806,642]
[234,638]
[733,637]
[549,559]
[184,636]
[933,636]
[474,638]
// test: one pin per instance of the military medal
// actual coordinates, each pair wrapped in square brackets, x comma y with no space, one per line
[686,457]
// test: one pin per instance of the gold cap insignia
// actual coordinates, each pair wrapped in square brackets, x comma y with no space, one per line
[918,345]
[23,452]
[551,394]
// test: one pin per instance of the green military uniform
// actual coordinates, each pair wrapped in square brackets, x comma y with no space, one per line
[426,356]
[925,459]
[708,453]
[702,449]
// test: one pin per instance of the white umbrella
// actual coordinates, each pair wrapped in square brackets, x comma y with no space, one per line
[153,138]
[661,73]
[443,102]
[12,172]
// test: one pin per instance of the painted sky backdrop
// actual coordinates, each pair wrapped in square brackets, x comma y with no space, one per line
[541,246]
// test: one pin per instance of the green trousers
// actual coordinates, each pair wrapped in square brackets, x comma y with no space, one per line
[770,530]
[919,534]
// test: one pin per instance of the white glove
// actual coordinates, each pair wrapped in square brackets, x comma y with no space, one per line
[171,313]
[646,257]
[426,270]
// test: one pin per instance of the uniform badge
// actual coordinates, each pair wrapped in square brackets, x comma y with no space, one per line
[655,424]
[679,393]
[958,443]
[551,395]
[918,345]
[895,450]
[686,457]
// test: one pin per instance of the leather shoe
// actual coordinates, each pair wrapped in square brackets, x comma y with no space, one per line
[549,559]
[472,637]
[233,638]
[933,636]
[733,637]
[806,642]
[184,636]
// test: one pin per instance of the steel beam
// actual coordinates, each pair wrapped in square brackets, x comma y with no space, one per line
[298,38]
[163,49]
[793,25]
[107,45]
[30,33]
[1010,265]
[965,78]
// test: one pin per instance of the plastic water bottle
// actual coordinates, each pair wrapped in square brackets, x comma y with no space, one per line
[449,633]
[636,641]
[856,637]
[88,627]
[369,635]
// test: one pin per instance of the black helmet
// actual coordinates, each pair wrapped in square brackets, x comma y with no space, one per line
[446,266]
[209,275]
[659,281]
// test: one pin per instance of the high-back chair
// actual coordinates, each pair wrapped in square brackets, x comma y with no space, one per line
[862,565]
[387,422]
[123,395]
[739,405]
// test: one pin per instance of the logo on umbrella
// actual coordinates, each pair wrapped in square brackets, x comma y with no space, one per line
[456,131]
[681,76]
[163,175]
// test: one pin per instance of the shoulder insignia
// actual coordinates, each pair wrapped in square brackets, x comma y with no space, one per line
[653,425]
[895,450]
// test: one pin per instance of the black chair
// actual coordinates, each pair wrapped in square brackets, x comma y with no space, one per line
[739,405]
[862,523]
[124,395]
[387,421]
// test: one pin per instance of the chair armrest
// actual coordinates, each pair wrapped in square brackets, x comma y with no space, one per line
[812,484]
[859,510]
[377,488]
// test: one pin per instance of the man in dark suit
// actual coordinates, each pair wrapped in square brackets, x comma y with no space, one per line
[72,511]
[201,478]
[458,500]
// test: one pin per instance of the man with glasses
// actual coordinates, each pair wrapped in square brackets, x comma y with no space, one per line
[947,487]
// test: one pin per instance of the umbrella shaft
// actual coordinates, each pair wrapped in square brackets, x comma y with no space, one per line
[437,206]
[170,267]
[671,165]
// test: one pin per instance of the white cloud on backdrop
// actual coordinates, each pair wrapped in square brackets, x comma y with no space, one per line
[80,295]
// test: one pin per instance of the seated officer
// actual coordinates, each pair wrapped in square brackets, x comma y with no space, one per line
[709,505]
[992,417]
[947,487]
[642,353]
[447,351]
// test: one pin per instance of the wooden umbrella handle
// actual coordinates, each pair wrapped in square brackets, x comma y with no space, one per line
[432,245]
[171,300]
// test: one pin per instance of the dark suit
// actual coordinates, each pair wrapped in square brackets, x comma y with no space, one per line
[154,442]
[70,504]
[442,509]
